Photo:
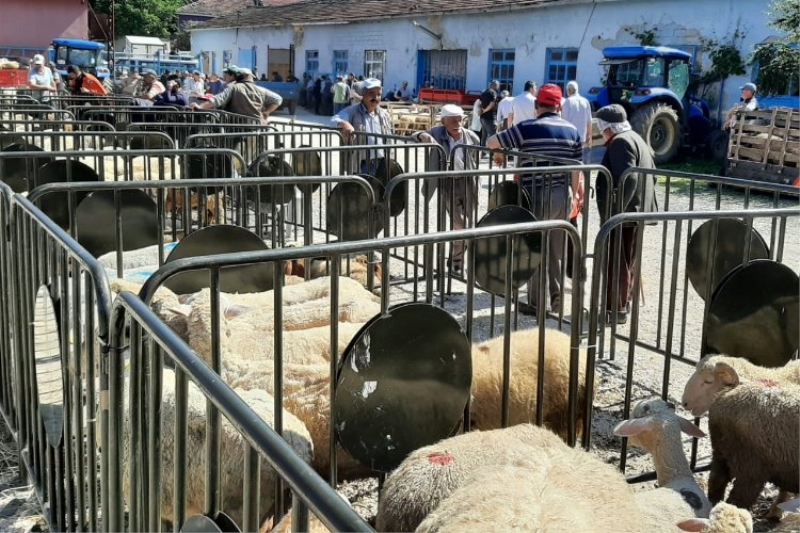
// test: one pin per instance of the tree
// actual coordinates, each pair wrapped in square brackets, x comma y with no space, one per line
[154,18]
[778,61]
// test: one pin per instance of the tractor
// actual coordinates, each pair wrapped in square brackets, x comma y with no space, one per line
[652,84]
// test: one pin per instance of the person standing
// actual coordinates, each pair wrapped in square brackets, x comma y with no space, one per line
[524,106]
[504,110]
[488,100]
[244,98]
[40,80]
[341,94]
[578,111]
[460,194]
[624,149]
[551,136]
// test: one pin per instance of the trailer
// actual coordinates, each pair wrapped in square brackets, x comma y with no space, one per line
[765,146]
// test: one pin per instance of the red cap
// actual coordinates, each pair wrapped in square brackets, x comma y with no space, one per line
[549,94]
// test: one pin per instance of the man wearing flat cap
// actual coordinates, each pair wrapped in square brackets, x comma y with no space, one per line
[624,149]
[460,194]
[149,87]
[244,98]
[747,102]
[366,117]
[551,136]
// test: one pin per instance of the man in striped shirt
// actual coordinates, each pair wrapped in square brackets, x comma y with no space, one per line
[547,137]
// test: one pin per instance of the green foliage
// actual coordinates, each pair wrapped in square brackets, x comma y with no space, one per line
[779,61]
[153,18]
[646,36]
[726,59]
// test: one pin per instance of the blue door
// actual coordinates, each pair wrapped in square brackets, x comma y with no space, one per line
[247,58]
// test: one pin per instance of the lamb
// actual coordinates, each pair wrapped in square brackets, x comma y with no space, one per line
[232,445]
[724,518]
[656,427]
[754,427]
[430,474]
[487,381]
[357,268]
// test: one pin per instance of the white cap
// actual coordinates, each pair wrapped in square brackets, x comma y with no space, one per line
[371,83]
[38,59]
[452,110]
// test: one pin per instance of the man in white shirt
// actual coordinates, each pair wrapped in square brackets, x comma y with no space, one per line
[504,110]
[524,105]
[577,111]
[40,79]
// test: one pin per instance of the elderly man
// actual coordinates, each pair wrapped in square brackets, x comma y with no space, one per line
[366,117]
[523,106]
[747,102]
[624,149]
[460,194]
[578,111]
[551,136]
[148,87]
[229,74]
[244,98]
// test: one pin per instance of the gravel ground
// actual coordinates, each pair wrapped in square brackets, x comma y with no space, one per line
[648,364]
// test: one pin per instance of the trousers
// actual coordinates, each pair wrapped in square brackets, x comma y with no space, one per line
[624,271]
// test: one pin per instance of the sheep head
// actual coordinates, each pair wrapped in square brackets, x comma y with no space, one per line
[723,517]
[706,382]
[650,419]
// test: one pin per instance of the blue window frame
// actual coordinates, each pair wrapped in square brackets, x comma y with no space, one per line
[561,66]
[340,62]
[312,63]
[501,68]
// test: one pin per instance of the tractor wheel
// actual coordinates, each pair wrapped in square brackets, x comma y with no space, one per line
[659,126]
[718,145]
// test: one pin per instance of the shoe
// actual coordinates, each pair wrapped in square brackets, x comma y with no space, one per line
[555,304]
[456,267]
[526,309]
[622,317]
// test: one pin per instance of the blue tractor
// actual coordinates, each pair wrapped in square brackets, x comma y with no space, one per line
[652,83]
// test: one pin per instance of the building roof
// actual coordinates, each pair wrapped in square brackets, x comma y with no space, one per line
[219,8]
[338,11]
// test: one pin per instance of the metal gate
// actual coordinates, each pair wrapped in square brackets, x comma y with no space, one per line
[442,69]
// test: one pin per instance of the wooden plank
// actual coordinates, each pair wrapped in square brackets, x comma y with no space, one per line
[757,155]
[759,172]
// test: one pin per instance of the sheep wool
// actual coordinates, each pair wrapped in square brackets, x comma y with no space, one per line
[724,518]
[487,381]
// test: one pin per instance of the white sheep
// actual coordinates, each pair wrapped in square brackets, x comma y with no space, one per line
[430,474]
[487,381]
[753,427]
[656,427]
[724,518]
[232,447]
[141,257]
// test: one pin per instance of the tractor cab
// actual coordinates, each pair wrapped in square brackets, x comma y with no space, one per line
[90,56]
[652,84]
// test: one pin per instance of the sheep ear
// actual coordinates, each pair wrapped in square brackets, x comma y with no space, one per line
[727,374]
[634,426]
[182,310]
[693,524]
[690,429]
[235,311]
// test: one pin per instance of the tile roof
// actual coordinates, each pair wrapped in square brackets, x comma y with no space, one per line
[332,11]
[219,8]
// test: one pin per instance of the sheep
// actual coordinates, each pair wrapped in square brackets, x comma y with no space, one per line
[232,445]
[724,518]
[487,381]
[174,203]
[753,427]
[356,268]
[562,492]
[705,376]
[315,525]
[656,427]
[164,300]
[142,257]
[430,474]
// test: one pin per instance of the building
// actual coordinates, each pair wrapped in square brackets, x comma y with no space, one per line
[463,45]
[203,10]
[29,27]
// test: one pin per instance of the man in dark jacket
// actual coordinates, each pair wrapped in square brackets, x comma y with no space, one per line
[624,149]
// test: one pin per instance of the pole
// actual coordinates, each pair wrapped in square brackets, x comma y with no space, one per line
[113,39]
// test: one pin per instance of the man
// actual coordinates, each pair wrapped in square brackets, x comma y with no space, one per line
[196,86]
[524,105]
[747,102]
[40,80]
[366,117]
[504,110]
[341,94]
[357,90]
[460,194]
[84,83]
[244,98]
[215,85]
[229,74]
[276,76]
[149,87]
[552,136]
[174,96]
[624,149]
[488,100]
[403,94]
[577,110]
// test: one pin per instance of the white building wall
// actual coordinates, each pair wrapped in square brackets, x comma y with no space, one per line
[589,27]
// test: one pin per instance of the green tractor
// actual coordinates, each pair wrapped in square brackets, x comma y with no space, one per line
[652,84]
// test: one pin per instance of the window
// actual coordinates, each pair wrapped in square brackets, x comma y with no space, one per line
[561,66]
[312,63]
[501,68]
[374,63]
[442,69]
[693,49]
[340,62]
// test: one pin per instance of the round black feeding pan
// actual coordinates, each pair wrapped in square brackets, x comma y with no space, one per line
[95,221]
[56,205]
[208,166]
[221,239]
[15,171]
[385,170]
[222,523]
[728,253]
[491,254]
[509,193]
[403,382]
[755,314]
[271,167]
[307,164]
[349,203]
[149,141]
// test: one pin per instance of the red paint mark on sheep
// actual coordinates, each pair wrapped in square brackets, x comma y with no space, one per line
[440,458]
[770,383]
